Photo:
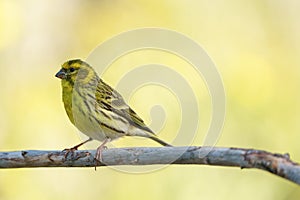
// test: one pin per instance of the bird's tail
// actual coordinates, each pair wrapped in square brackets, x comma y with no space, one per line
[156,139]
[147,133]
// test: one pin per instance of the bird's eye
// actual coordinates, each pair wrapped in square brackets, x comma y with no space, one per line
[72,69]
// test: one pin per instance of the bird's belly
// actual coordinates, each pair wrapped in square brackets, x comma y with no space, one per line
[93,125]
[89,127]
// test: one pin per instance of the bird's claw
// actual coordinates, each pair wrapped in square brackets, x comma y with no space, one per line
[69,150]
[98,156]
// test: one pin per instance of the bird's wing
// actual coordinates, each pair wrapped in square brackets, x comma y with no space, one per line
[110,99]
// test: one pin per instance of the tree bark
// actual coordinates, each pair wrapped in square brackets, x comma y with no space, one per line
[278,164]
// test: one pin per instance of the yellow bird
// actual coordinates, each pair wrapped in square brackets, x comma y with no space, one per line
[96,109]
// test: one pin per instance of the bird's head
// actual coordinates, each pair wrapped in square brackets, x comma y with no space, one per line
[76,70]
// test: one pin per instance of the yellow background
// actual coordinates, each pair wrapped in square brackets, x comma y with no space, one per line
[255,45]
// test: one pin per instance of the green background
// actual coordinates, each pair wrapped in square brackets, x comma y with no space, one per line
[254,44]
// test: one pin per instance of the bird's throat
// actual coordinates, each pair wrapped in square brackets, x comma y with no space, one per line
[67,97]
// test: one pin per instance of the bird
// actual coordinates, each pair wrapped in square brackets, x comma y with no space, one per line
[96,109]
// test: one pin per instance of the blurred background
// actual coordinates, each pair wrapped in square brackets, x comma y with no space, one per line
[254,44]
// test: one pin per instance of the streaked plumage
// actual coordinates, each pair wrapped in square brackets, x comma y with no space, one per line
[96,109]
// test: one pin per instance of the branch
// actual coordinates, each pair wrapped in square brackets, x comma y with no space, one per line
[278,164]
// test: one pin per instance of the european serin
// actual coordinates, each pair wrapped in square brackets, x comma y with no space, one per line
[96,109]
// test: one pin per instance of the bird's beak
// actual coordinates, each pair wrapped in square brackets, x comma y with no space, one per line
[61,74]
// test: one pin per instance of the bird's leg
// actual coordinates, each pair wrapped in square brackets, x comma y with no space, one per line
[99,150]
[76,147]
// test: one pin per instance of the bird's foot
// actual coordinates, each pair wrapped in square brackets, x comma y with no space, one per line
[70,150]
[99,150]
[98,156]
[75,148]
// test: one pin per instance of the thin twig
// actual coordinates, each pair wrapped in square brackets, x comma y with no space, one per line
[278,164]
